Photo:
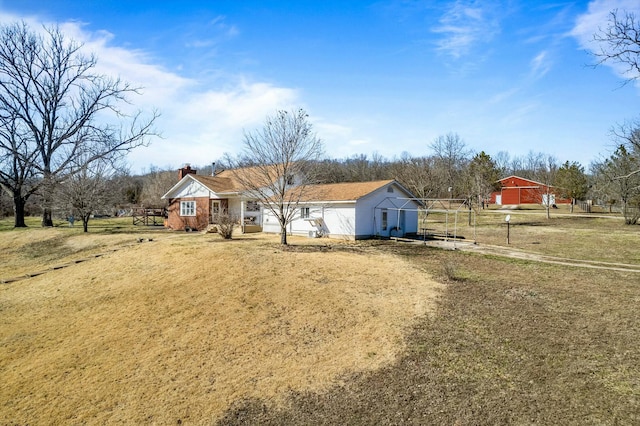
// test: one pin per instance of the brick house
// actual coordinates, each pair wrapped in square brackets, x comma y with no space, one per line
[196,201]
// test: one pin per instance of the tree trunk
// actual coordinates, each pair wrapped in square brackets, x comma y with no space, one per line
[624,212]
[18,205]
[47,217]
[283,235]
[548,205]
[572,202]
[85,223]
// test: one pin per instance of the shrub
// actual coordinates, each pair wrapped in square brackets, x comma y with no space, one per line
[451,272]
[225,225]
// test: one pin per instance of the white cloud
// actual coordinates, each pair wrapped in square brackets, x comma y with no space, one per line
[503,96]
[228,30]
[336,137]
[201,126]
[464,25]
[217,30]
[595,19]
[540,65]
[199,120]
[520,113]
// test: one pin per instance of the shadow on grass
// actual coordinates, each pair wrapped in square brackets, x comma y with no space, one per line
[511,343]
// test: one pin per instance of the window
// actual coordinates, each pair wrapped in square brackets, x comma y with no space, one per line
[389,189]
[187,208]
[384,220]
[252,206]
[304,213]
[290,180]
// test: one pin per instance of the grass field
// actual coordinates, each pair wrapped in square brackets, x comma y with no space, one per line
[191,329]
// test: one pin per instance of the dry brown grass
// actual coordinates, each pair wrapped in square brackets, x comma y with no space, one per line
[513,342]
[181,327]
[193,328]
[574,236]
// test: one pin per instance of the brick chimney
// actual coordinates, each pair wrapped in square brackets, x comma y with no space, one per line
[186,170]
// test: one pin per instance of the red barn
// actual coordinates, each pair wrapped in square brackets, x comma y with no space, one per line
[516,190]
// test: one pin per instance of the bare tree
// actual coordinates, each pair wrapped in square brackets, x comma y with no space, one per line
[628,134]
[17,174]
[616,177]
[546,172]
[331,171]
[502,161]
[53,106]
[86,190]
[416,174]
[276,162]
[451,159]
[619,43]
[517,168]
[155,185]
[6,205]
[357,168]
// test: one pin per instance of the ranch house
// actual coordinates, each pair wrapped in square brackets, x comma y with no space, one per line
[353,210]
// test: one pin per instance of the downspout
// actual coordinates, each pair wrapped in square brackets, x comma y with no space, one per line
[241,214]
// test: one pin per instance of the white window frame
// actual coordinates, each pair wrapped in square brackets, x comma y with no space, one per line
[304,213]
[187,208]
[385,219]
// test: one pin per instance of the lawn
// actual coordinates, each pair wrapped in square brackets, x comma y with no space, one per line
[190,328]
[167,326]
[588,237]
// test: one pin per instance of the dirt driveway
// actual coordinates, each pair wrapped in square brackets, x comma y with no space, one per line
[532,256]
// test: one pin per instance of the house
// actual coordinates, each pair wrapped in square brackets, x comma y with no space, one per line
[516,190]
[354,210]
[342,210]
[197,201]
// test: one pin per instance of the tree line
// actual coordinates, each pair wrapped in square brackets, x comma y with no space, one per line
[451,170]
[65,131]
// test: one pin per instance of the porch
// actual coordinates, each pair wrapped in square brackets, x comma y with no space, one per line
[246,213]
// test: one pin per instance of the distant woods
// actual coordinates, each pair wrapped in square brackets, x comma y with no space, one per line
[451,170]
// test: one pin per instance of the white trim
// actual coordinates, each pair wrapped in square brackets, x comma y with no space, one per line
[188,211]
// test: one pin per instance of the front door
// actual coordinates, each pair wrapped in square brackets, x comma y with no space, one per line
[215,211]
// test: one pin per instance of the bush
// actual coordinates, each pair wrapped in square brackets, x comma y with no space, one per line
[451,272]
[225,225]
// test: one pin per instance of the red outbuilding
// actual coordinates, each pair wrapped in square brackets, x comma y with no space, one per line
[516,190]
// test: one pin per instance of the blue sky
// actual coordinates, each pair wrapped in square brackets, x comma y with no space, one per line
[382,77]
